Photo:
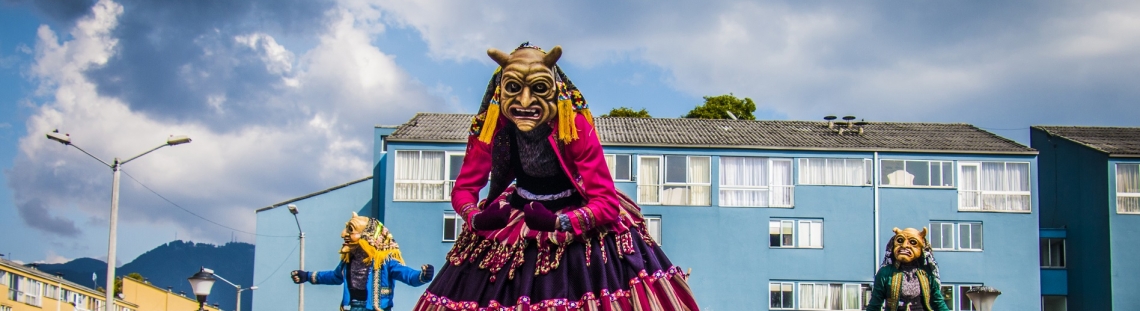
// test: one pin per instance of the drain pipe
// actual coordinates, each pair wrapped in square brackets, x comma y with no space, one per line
[875,183]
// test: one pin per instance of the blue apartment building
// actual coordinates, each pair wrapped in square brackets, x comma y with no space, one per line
[1090,216]
[766,215]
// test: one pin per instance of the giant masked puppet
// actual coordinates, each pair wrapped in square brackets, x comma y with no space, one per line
[560,237]
[369,266]
[908,278]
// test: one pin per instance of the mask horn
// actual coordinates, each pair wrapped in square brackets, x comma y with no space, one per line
[552,56]
[354,215]
[498,56]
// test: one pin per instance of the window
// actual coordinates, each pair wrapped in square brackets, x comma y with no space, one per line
[426,175]
[619,166]
[908,173]
[964,303]
[1128,188]
[955,296]
[782,233]
[943,237]
[1052,253]
[842,172]
[653,225]
[682,180]
[1054,303]
[833,296]
[755,182]
[994,186]
[781,296]
[4,278]
[452,226]
[51,291]
[5,308]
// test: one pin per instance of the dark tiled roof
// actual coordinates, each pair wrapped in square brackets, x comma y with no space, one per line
[810,135]
[1120,141]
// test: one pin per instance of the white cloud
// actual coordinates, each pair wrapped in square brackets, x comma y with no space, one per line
[324,104]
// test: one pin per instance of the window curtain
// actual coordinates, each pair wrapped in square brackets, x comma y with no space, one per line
[781,185]
[968,191]
[1128,188]
[854,172]
[835,297]
[700,178]
[742,180]
[419,175]
[649,180]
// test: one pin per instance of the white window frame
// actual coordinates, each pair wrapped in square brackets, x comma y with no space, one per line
[956,232]
[662,181]
[780,286]
[1047,250]
[804,178]
[978,201]
[653,226]
[800,239]
[771,184]
[32,291]
[960,294]
[645,184]
[456,229]
[446,182]
[943,172]
[1123,196]
[611,162]
[799,295]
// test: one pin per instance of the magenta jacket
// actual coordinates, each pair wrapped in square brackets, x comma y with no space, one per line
[581,159]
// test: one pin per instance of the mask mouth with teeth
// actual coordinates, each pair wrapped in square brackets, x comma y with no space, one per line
[908,245]
[528,90]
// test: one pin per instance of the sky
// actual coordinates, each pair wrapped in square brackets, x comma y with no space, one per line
[280,97]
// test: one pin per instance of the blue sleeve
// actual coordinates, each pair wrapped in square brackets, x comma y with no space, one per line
[330,277]
[399,271]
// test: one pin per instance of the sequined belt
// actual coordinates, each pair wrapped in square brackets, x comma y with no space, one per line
[543,197]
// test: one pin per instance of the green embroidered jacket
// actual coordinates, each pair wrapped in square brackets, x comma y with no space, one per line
[888,283]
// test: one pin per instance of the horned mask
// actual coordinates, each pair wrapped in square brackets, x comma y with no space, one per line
[372,237]
[529,92]
[908,244]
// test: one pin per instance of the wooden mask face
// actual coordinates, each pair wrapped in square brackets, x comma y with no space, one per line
[908,244]
[353,229]
[528,93]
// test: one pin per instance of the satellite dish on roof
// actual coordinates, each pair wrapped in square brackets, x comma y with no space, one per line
[730,115]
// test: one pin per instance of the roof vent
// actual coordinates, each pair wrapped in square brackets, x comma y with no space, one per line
[847,126]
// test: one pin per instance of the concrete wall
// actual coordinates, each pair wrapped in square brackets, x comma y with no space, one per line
[1074,197]
[1125,251]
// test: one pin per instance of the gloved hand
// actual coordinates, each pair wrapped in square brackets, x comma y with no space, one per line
[537,217]
[494,217]
[427,272]
[300,276]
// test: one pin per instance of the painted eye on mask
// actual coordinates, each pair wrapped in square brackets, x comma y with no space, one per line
[900,241]
[913,242]
[540,88]
[513,87]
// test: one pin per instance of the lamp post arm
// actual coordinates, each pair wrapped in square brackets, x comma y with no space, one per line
[227,281]
[142,154]
[92,156]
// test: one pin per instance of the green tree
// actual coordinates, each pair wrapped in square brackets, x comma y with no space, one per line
[718,107]
[627,112]
[119,281]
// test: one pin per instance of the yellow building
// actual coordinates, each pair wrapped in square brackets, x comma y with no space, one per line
[29,289]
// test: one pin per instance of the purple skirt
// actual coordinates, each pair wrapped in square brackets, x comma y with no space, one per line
[518,269]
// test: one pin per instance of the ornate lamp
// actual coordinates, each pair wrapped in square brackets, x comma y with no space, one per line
[983,297]
[201,283]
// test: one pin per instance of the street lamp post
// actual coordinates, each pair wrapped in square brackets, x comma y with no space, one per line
[115,165]
[238,287]
[983,297]
[201,283]
[301,235]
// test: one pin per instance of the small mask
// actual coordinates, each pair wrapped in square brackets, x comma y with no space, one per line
[528,92]
[353,229]
[908,244]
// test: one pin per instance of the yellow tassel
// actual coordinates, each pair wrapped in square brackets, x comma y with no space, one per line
[492,119]
[567,132]
[373,253]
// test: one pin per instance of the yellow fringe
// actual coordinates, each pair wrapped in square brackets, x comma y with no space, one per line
[567,132]
[373,253]
[492,119]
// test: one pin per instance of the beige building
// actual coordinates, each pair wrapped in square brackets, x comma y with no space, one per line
[28,289]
